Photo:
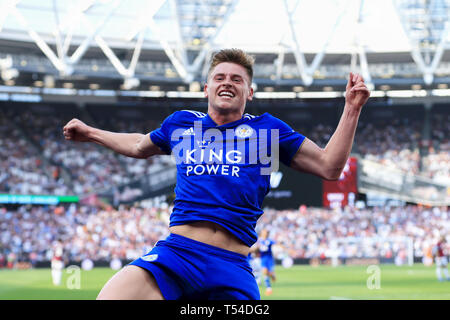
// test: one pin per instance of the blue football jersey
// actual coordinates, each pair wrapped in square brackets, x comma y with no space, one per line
[223,172]
[265,247]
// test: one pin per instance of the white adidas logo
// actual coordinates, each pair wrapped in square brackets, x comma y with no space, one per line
[188,132]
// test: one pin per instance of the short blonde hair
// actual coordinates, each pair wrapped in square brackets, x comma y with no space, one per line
[235,56]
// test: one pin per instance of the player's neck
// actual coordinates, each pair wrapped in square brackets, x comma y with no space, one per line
[221,118]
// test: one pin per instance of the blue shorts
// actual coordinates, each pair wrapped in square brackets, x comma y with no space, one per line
[193,270]
[268,263]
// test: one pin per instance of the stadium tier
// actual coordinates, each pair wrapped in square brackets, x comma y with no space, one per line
[30,233]
[36,160]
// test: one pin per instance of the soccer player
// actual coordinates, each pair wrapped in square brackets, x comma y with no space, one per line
[57,264]
[267,259]
[254,259]
[224,159]
[441,259]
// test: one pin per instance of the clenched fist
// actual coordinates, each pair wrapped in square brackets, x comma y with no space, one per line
[77,130]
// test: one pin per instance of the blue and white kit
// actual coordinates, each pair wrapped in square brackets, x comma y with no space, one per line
[265,248]
[223,175]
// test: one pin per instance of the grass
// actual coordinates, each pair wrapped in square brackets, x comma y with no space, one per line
[350,282]
[297,283]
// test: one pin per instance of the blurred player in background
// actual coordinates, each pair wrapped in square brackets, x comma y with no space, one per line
[218,203]
[267,260]
[440,257]
[57,264]
[254,259]
[11,260]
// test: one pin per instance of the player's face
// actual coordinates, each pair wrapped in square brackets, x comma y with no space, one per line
[228,87]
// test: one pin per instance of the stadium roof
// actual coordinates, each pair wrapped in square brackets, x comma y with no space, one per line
[297,43]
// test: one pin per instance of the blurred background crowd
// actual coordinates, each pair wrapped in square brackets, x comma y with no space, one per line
[35,159]
[30,233]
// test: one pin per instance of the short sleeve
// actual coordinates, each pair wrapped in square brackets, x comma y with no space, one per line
[161,136]
[289,141]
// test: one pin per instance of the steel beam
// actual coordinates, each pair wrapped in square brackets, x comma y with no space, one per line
[425,64]
[59,65]
[81,50]
[193,69]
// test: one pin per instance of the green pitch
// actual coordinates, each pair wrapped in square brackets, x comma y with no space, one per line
[296,283]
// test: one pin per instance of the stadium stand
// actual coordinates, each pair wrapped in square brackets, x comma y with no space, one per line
[35,159]
[37,133]
[128,232]
[23,167]
[437,158]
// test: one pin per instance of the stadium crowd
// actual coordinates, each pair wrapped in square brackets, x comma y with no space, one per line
[37,160]
[311,232]
[35,156]
[91,167]
[436,163]
[30,233]
[85,232]
[394,144]
[23,169]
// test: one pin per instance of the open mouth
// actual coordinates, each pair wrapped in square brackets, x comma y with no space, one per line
[226,93]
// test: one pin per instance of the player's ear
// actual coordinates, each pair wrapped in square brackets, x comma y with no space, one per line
[205,90]
[250,94]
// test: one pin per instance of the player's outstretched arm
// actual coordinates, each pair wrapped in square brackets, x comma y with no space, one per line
[134,145]
[329,162]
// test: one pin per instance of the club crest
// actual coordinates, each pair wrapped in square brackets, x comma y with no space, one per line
[244,131]
[150,257]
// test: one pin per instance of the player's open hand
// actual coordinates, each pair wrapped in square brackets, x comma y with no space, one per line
[76,130]
[356,92]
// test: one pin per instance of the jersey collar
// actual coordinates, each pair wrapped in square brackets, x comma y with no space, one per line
[210,122]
